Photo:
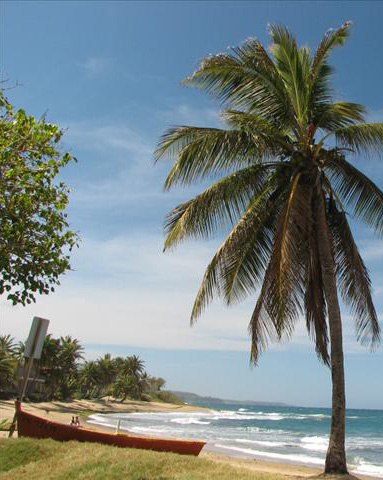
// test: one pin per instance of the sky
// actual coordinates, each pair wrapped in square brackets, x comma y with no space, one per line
[109,73]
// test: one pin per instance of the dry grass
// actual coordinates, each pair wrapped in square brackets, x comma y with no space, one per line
[30,459]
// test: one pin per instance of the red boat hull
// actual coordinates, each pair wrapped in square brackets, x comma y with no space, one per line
[29,425]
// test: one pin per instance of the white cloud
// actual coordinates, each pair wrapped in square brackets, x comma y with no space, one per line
[371,250]
[187,115]
[124,290]
[107,138]
[95,65]
[125,157]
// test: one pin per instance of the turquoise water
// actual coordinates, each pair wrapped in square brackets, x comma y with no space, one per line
[284,434]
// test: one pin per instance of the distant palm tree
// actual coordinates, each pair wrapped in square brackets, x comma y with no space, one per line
[49,366]
[133,386]
[7,344]
[134,366]
[70,353]
[285,191]
[7,369]
[89,379]
[8,361]
[107,371]
[19,351]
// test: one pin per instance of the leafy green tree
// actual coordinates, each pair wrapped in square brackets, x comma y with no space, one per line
[155,384]
[285,188]
[34,231]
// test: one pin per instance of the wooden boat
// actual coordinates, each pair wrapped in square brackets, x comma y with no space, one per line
[29,425]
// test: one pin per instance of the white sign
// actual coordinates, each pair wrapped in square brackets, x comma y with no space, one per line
[36,337]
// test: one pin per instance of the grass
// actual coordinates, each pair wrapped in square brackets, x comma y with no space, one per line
[31,459]
[5,425]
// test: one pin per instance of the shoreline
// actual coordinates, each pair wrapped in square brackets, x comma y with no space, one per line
[62,411]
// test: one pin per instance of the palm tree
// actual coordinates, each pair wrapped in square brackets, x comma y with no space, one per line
[89,379]
[7,344]
[71,352]
[69,355]
[133,366]
[7,369]
[132,385]
[284,187]
[19,351]
[49,366]
[107,371]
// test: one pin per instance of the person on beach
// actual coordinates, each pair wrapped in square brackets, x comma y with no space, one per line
[72,422]
[77,422]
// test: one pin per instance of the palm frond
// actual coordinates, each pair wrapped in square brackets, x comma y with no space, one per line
[353,279]
[249,237]
[356,191]
[275,137]
[201,152]
[262,328]
[221,204]
[319,77]
[288,60]
[332,116]
[366,138]
[281,299]
[245,79]
[331,39]
[247,256]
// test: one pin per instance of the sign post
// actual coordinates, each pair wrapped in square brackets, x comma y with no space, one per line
[33,349]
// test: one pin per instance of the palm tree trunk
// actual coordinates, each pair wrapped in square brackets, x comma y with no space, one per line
[336,454]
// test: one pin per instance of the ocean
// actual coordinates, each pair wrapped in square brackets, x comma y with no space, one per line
[282,434]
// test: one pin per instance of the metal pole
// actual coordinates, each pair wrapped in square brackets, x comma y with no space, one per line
[118,425]
[23,389]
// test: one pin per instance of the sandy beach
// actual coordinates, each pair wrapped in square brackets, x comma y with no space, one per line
[62,412]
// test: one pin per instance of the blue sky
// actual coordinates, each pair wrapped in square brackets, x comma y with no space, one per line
[110,72]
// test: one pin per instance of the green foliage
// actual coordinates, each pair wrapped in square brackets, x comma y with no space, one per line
[168,397]
[5,425]
[34,229]
[31,459]
[8,362]
[277,173]
[18,453]
[65,377]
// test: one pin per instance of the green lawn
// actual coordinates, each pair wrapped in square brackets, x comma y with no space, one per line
[30,459]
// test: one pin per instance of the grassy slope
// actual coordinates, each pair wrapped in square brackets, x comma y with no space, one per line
[30,459]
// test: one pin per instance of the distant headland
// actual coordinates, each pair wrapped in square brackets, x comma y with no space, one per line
[189,397]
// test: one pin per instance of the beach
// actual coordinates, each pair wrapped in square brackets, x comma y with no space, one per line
[62,412]
[88,409]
